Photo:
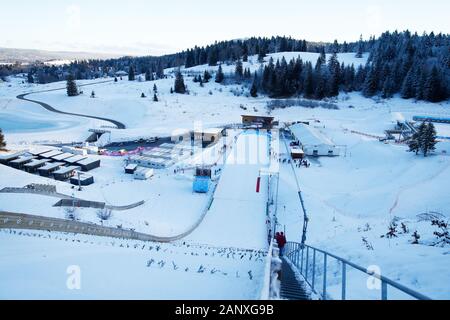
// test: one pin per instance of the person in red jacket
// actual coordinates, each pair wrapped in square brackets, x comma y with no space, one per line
[281,243]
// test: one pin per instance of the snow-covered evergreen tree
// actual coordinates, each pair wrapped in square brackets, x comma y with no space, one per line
[429,139]
[179,86]
[2,140]
[131,74]
[219,75]
[71,86]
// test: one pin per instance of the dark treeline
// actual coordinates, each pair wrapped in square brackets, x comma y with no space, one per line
[153,67]
[414,66]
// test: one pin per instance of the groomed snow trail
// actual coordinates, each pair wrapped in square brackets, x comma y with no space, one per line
[48,107]
[237,217]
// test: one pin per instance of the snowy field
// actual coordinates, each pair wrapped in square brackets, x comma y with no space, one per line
[351,199]
[237,215]
[34,265]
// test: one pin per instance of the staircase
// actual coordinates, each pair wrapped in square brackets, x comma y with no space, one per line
[291,288]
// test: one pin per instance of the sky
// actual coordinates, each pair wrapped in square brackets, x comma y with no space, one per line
[155,27]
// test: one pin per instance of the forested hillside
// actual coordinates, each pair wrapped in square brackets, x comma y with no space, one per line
[415,66]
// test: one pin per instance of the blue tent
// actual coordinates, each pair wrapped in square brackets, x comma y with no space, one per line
[201,184]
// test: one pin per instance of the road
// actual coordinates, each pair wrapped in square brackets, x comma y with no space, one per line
[12,220]
[48,107]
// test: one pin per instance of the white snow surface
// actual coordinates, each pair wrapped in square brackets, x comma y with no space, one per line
[348,198]
[34,265]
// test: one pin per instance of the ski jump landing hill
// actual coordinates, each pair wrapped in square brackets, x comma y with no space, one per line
[237,217]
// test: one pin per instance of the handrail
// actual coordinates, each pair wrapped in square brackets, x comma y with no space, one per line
[265,292]
[296,252]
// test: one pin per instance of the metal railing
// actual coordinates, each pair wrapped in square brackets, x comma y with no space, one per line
[306,259]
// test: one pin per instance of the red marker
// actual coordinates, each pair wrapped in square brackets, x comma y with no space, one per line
[258,184]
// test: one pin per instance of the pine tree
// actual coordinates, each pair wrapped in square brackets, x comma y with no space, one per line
[71,85]
[213,57]
[245,54]
[189,59]
[155,88]
[143,95]
[261,54]
[219,75]
[2,140]
[408,89]
[155,97]
[323,56]
[429,139]
[359,54]
[414,143]
[320,81]
[93,94]
[131,74]
[148,75]
[370,87]
[239,72]
[30,78]
[254,88]
[308,84]
[115,79]
[388,88]
[179,83]
[433,89]
[335,76]
[206,76]
[420,82]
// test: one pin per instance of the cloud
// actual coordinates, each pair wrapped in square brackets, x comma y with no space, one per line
[73,17]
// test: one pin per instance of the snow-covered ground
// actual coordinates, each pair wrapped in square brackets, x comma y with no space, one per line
[353,198]
[40,265]
[349,198]
[237,216]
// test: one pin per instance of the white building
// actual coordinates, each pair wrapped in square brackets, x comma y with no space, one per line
[313,142]
[151,162]
[143,173]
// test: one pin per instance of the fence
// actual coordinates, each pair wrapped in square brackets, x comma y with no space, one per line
[316,267]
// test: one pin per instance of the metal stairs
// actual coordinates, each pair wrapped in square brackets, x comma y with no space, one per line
[291,288]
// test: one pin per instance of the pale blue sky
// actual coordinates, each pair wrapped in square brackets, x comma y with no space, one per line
[157,26]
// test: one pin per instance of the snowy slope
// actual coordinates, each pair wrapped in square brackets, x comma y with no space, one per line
[237,214]
[33,265]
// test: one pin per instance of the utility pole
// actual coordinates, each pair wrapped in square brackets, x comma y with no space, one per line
[79,180]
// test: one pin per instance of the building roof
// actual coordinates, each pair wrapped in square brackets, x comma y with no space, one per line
[74,159]
[67,170]
[39,152]
[10,156]
[23,159]
[257,116]
[209,131]
[131,166]
[87,161]
[310,136]
[81,177]
[62,156]
[52,165]
[297,151]
[35,162]
[51,154]
[143,170]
